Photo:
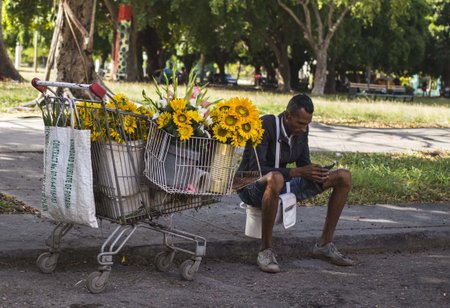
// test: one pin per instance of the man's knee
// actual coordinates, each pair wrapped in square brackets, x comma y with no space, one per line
[344,177]
[275,180]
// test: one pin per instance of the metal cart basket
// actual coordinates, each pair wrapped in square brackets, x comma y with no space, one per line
[123,195]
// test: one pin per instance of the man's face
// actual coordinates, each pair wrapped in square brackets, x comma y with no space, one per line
[297,122]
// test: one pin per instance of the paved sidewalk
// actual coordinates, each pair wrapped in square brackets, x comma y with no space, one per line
[322,137]
[361,228]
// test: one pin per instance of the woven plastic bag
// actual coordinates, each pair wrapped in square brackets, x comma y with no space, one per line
[67,189]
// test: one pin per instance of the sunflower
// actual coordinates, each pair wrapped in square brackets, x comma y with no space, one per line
[221,134]
[164,119]
[221,109]
[257,134]
[238,119]
[231,121]
[245,108]
[181,118]
[185,132]
[238,141]
[178,104]
[121,102]
[194,115]
[129,124]
[95,136]
[145,111]
[245,130]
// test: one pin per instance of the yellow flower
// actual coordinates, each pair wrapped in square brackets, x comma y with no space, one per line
[256,135]
[95,136]
[129,124]
[245,108]
[145,111]
[181,118]
[185,132]
[221,109]
[242,111]
[238,140]
[245,130]
[194,115]
[178,104]
[225,105]
[121,102]
[164,119]
[230,121]
[238,118]
[220,133]
[115,135]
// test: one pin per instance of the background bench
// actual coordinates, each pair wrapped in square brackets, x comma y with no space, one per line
[379,90]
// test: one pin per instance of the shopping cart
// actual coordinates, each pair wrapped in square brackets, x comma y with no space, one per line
[123,195]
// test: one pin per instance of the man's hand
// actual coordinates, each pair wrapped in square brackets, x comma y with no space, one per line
[312,172]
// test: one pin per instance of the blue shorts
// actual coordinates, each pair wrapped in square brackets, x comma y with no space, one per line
[301,187]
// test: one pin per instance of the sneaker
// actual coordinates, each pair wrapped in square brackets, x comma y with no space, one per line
[267,262]
[330,253]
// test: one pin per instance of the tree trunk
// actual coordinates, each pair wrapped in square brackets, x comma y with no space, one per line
[330,86]
[202,67]
[132,61]
[320,74]
[74,62]
[221,65]
[189,60]
[151,43]
[7,69]
[294,67]
[283,70]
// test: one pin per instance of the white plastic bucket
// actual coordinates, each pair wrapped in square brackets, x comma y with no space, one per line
[253,222]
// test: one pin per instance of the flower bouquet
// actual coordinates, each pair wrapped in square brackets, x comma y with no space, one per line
[119,130]
[234,123]
[122,120]
[183,116]
[195,144]
[179,136]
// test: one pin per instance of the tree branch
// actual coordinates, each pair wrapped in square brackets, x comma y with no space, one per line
[112,11]
[53,45]
[69,13]
[292,14]
[319,29]
[90,44]
[330,15]
[305,27]
[333,27]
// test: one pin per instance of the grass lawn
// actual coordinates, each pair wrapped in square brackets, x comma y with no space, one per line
[330,109]
[377,178]
[392,178]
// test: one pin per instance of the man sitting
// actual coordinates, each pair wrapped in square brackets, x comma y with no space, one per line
[306,180]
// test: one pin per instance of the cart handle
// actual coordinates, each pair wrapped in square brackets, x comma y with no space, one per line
[95,88]
[35,83]
[98,90]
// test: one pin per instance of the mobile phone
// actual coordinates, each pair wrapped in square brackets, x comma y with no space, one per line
[330,166]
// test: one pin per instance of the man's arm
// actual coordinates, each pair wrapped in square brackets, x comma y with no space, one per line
[307,170]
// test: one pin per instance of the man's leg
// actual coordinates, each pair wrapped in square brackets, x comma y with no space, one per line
[340,181]
[273,182]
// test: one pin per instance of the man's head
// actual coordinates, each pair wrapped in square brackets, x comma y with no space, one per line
[298,114]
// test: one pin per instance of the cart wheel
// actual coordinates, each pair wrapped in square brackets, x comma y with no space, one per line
[163,260]
[187,269]
[47,261]
[96,281]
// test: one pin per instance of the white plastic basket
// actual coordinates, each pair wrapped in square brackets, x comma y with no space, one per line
[200,166]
